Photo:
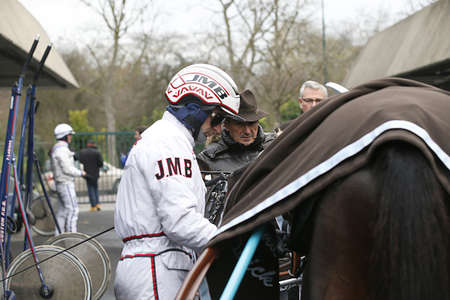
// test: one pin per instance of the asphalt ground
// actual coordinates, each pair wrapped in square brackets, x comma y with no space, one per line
[89,223]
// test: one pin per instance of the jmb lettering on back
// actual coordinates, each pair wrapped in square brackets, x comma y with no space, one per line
[172,166]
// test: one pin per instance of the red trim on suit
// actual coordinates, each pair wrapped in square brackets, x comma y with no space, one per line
[155,285]
[141,236]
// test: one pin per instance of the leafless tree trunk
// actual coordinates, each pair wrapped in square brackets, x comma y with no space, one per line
[118,17]
[285,17]
[272,47]
[244,25]
[258,39]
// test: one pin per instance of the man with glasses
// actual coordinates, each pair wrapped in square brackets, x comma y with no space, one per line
[311,93]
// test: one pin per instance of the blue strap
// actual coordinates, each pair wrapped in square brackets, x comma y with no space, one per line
[244,260]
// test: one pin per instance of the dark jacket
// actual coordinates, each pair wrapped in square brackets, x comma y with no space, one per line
[227,155]
[92,161]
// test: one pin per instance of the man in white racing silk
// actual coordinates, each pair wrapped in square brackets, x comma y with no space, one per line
[160,201]
[64,172]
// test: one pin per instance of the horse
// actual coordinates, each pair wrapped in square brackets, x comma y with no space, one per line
[363,180]
[381,232]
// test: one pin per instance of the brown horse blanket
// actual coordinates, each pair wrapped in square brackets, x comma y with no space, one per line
[334,139]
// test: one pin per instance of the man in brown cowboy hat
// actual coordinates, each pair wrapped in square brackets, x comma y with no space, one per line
[242,139]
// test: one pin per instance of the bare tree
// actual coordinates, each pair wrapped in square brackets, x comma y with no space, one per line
[145,84]
[119,16]
[269,46]
[259,39]
[282,78]
[240,36]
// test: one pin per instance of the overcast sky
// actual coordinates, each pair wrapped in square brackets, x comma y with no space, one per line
[63,19]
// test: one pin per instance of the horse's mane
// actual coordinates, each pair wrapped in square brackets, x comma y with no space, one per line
[410,258]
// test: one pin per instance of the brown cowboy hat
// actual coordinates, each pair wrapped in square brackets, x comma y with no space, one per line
[248,109]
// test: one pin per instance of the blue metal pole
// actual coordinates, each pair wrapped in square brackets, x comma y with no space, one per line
[45,290]
[244,260]
[7,156]
[30,145]
[22,136]
[9,144]
[7,159]
[30,158]
[31,155]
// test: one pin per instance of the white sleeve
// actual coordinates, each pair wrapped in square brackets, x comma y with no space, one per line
[177,206]
[65,161]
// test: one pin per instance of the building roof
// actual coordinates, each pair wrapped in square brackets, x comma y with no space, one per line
[18,29]
[417,47]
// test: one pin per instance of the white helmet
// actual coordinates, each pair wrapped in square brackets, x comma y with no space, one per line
[61,130]
[209,83]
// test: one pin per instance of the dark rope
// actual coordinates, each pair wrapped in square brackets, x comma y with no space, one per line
[58,253]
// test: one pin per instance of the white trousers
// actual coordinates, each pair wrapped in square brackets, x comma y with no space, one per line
[146,278]
[67,215]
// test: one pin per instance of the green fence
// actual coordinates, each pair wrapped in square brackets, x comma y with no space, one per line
[110,144]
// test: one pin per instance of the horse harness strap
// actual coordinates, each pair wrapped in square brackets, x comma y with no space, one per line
[296,263]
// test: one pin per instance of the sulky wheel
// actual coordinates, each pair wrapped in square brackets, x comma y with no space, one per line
[64,273]
[93,256]
[45,224]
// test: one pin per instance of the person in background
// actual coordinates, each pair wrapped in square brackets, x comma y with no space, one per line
[216,125]
[64,172]
[139,130]
[92,161]
[161,197]
[311,93]
[137,136]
